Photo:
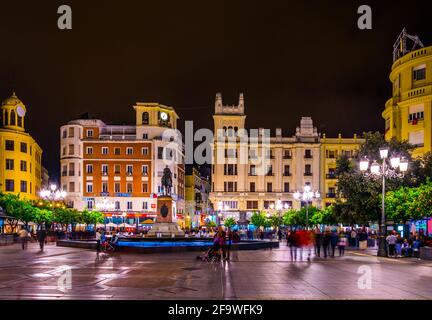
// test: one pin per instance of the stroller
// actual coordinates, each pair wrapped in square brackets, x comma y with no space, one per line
[211,255]
[107,246]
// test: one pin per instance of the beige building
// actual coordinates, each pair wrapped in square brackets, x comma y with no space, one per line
[239,187]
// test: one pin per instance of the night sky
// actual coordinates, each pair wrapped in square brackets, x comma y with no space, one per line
[291,59]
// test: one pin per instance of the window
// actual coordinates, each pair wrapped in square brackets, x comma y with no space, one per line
[269,187]
[89,168]
[71,149]
[117,205]
[129,169]
[23,147]
[104,186]
[145,118]
[230,204]
[267,204]
[252,170]
[89,187]
[230,169]
[144,170]
[308,170]
[251,204]
[331,154]
[129,151]
[117,151]
[269,170]
[90,133]
[10,185]
[104,150]
[9,145]
[117,169]
[71,186]
[90,204]
[104,169]
[117,187]
[419,73]
[230,186]
[160,152]
[129,187]
[145,187]
[144,151]
[145,136]
[71,169]
[71,132]
[286,187]
[308,153]
[89,150]
[416,138]
[23,187]
[416,116]
[23,165]
[287,154]
[252,187]
[9,164]
[231,153]
[64,151]
[287,170]
[129,205]
[145,205]
[64,134]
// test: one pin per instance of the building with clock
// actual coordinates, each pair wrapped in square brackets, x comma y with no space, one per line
[117,169]
[239,188]
[20,154]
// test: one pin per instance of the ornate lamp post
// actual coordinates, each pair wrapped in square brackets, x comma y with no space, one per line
[394,169]
[306,196]
[52,194]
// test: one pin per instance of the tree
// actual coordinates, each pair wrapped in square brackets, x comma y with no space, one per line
[229,222]
[210,224]
[275,220]
[258,219]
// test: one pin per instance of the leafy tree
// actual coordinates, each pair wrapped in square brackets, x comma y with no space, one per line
[275,220]
[210,224]
[258,219]
[229,222]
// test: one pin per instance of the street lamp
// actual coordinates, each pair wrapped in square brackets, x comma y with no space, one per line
[105,205]
[52,194]
[306,196]
[394,169]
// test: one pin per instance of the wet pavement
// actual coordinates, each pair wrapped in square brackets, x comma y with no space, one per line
[71,273]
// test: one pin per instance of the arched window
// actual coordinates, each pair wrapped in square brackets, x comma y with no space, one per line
[230,131]
[145,118]
[20,121]
[235,130]
[6,118]
[12,118]
[224,131]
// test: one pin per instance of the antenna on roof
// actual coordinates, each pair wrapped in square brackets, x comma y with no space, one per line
[400,47]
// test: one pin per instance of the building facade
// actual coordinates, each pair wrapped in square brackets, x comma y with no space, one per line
[117,169]
[20,155]
[239,188]
[408,113]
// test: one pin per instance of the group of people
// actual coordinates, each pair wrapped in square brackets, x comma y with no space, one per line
[102,240]
[25,236]
[399,247]
[324,243]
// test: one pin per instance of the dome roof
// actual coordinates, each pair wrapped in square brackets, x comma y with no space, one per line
[12,100]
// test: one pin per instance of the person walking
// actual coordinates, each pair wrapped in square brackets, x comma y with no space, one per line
[326,242]
[23,236]
[342,242]
[42,234]
[391,241]
[333,241]
[353,238]
[292,243]
[98,240]
[318,242]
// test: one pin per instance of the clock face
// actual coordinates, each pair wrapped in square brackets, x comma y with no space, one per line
[164,116]
[20,111]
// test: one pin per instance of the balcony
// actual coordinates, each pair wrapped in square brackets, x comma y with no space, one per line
[308,156]
[71,173]
[287,157]
[331,176]
[308,174]
[331,195]
[64,173]
[287,174]
[144,174]
[104,173]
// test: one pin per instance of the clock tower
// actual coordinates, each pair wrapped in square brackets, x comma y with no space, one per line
[13,112]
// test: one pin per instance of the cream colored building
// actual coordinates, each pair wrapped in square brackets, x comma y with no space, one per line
[239,188]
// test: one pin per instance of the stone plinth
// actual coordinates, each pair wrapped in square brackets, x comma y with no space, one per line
[165,224]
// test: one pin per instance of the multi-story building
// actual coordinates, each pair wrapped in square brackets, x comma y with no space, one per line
[118,168]
[408,113]
[198,206]
[239,188]
[20,155]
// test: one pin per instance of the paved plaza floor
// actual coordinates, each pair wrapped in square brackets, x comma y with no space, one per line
[261,274]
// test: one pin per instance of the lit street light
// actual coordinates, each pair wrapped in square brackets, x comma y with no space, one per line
[306,196]
[52,194]
[395,169]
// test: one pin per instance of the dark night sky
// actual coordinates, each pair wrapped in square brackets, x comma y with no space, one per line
[290,59]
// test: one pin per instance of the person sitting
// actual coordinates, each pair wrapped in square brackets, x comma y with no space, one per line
[416,247]
[406,248]
[114,241]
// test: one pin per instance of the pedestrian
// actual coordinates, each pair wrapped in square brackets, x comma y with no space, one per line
[23,236]
[333,241]
[98,240]
[353,238]
[42,234]
[228,244]
[318,242]
[326,242]
[398,246]
[279,234]
[391,241]
[292,243]
[342,242]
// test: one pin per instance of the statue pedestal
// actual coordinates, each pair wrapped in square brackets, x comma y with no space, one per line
[165,225]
